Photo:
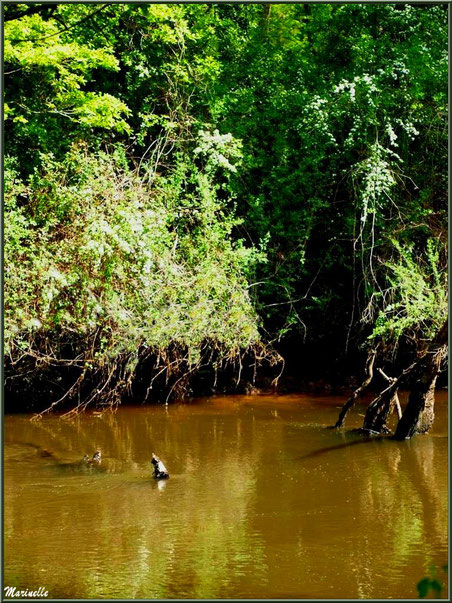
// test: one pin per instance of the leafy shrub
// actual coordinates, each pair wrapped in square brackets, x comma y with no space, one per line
[93,251]
[415,304]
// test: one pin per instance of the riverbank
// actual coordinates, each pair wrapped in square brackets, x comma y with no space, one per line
[36,397]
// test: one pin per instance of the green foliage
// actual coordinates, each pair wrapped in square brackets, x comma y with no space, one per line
[51,74]
[416,302]
[332,111]
[99,249]
[265,158]
[431,584]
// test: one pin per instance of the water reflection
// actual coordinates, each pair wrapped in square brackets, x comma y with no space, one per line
[250,510]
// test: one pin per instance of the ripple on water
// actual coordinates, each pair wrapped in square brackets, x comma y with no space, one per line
[257,505]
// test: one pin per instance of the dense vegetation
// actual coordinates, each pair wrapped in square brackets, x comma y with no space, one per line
[192,187]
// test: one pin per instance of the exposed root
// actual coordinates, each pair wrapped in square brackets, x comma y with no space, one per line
[149,375]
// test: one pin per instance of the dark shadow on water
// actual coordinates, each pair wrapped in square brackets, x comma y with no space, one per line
[365,440]
[321,451]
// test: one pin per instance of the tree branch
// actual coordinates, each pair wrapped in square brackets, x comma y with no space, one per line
[355,395]
[65,28]
[10,14]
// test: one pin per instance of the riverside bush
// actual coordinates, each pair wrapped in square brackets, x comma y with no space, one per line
[122,265]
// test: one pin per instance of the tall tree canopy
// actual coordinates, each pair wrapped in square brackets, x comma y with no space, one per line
[189,182]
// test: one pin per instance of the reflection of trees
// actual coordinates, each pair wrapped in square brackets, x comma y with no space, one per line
[122,534]
[245,512]
[432,488]
[404,492]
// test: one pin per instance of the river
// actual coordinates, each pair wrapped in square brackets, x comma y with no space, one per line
[262,502]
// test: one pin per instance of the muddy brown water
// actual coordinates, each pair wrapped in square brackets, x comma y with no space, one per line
[262,502]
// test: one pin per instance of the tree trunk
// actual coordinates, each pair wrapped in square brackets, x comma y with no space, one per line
[379,410]
[419,412]
[382,406]
[355,395]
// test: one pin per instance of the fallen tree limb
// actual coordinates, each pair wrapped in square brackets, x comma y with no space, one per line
[381,406]
[396,397]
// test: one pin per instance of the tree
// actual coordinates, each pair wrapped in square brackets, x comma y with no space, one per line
[299,141]
[415,311]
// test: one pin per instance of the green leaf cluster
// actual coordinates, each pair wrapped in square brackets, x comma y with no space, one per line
[100,249]
[415,304]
